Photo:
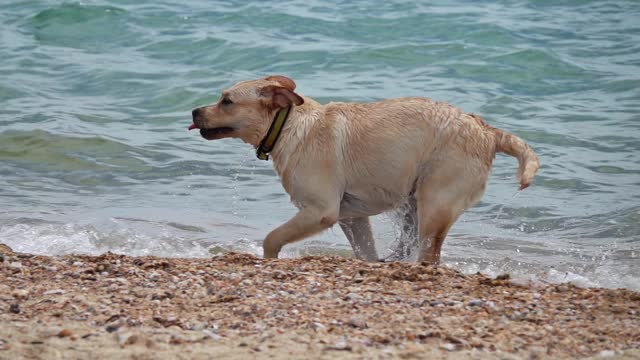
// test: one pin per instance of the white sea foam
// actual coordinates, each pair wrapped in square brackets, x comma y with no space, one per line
[136,238]
[115,235]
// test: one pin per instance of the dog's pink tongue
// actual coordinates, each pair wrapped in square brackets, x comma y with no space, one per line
[193,126]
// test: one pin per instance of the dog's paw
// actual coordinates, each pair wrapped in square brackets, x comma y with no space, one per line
[270,250]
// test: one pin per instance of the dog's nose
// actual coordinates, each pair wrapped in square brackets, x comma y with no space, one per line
[196,112]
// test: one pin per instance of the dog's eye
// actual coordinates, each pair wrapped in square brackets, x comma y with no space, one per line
[226,101]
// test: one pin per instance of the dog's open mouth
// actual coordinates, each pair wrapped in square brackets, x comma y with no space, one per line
[214,133]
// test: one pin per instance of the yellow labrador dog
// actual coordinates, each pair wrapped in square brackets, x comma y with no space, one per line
[344,162]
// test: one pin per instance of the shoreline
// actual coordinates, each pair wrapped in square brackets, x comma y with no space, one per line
[237,305]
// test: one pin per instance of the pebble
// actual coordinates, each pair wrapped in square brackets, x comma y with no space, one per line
[353,296]
[15,266]
[133,339]
[20,294]
[454,304]
[211,335]
[448,347]
[138,339]
[318,326]
[475,302]
[65,333]
[154,276]
[14,308]
[358,322]
[341,345]
[53,292]
[607,353]
[113,327]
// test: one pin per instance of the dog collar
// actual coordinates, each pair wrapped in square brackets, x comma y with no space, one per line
[269,141]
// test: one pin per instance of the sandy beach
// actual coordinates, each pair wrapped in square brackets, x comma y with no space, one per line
[239,306]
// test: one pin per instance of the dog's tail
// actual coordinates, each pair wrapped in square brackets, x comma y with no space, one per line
[516,147]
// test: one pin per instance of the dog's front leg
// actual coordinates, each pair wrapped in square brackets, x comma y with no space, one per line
[308,221]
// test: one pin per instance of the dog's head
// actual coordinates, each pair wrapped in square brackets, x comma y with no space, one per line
[246,109]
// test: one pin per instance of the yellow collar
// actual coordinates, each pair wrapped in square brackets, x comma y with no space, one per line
[269,141]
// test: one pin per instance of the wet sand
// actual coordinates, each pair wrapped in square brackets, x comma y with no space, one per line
[239,306]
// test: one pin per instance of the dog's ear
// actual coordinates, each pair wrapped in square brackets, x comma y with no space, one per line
[283,81]
[281,95]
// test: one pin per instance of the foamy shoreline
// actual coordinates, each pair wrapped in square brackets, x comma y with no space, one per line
[238,305]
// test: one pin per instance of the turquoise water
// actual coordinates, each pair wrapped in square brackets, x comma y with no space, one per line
[95,98]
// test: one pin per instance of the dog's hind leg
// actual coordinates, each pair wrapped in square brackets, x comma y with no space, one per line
[441,198]
[358,232]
